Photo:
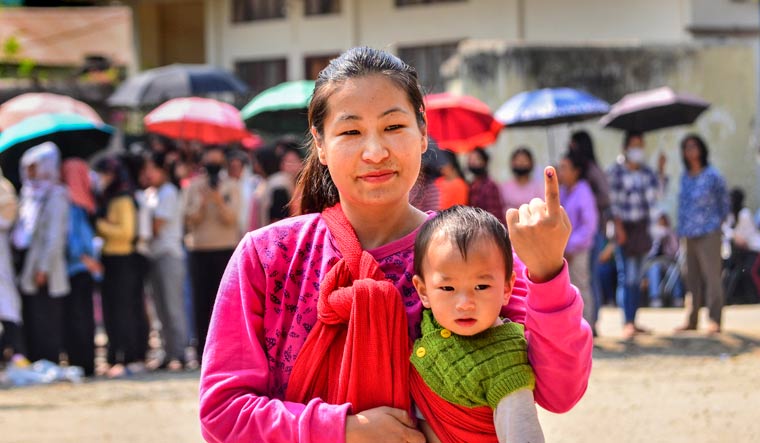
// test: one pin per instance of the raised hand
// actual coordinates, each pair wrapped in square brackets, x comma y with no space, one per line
[539,231]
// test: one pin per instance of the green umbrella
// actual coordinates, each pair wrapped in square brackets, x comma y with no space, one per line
[280,109]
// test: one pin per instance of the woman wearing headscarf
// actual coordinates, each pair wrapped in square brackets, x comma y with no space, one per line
[79,336]
[40,237]
[10,302]
[122,289]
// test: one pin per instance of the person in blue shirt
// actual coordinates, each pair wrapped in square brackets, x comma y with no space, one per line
[83,267]
[702,207]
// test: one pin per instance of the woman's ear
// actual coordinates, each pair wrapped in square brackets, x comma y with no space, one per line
[318,143]
[508,286]
[419,285]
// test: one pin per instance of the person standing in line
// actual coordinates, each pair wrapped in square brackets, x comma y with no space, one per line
[578,200]
[211,205]
[484,193]
[522,188]
[702,208]
[452,187]
[582,145]
[634,189]
[40,235]
[82,267]
[166,259]
[11,341]
[124,314]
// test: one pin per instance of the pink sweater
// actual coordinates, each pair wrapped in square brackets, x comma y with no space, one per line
[267,304]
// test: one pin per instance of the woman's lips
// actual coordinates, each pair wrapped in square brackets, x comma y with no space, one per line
[466,322]
[378,176]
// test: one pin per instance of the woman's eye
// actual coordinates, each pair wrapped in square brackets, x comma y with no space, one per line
[394,127]
[482,287]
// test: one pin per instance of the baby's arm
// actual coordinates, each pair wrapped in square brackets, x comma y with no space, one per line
[516,419]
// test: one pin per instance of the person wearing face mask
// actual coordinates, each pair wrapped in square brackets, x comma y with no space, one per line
[484,193]
[212,205]
[634,190]
[522,188]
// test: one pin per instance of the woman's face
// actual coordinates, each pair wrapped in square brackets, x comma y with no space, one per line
[522,162]
[372,144]
[567,173]
[691,153]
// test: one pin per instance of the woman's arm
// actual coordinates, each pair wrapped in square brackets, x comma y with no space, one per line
[120,220]
[234,382]
[57,214]
[559,340]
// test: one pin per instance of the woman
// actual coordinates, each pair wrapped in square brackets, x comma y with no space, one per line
[523,187]
[452,187]
[702,207]
[11,341]
[122,289]
[40,236]
[368,134]
[578,200]
[166,259]
[82,267]
[484,193]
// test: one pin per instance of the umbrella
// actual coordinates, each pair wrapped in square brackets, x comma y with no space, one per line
[192,118]
[33,103]
[460,123]
[160,84]
[550,106]
[654,109]
[280,109]
[75,136]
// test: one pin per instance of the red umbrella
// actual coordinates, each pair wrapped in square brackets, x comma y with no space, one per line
[34,103]
[192,118]
[460,123]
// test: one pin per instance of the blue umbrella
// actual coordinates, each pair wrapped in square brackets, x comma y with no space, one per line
[550,106]
[76,136]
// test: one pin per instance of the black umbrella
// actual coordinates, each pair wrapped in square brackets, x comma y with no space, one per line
[156,86]
[654,109]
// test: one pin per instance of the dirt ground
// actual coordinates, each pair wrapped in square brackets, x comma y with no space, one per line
[661,388]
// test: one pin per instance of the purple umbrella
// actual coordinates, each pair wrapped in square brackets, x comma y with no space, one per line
[654,109]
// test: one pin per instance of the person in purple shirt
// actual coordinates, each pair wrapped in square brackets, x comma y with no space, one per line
[577,198]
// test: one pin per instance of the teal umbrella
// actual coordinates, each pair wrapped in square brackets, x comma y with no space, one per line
[280,109]
[76,136]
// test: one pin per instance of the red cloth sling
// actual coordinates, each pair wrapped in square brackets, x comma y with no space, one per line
[452,423]
[358,351]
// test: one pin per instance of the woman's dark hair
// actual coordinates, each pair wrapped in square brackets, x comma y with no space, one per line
[463,225]
[268,159]
[703,153]
[579,162]
[630,135]
[581,141]
[737,202]
[449,158]
[314,183]
[523,150]
[122,184]
[164,163]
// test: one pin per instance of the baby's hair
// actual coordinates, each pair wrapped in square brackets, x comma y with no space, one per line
[463,225]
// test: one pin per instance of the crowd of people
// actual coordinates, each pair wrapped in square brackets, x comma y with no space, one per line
[151,230]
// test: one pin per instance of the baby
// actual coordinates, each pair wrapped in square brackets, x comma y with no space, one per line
[472,379]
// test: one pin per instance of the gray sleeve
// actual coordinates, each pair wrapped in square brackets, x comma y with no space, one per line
[57,215]
[516,419]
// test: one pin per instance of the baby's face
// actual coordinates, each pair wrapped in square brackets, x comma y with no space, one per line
[466,296]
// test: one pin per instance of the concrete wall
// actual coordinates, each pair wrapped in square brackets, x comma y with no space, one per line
[726,76]
[379,23]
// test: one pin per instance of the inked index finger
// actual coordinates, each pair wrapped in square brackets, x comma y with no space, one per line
[551,191]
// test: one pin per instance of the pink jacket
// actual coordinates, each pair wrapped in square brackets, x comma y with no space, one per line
[267,305]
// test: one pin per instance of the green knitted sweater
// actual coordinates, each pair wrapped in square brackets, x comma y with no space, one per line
[473,371]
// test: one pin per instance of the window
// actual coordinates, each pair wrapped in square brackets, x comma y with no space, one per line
[423,2]
[428,60]
[318,7]
[248,10]
[314,64]
[262,74]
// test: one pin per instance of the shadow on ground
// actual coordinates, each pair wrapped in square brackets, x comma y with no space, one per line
[695,344]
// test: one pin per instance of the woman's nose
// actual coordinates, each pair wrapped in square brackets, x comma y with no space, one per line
[374,150]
